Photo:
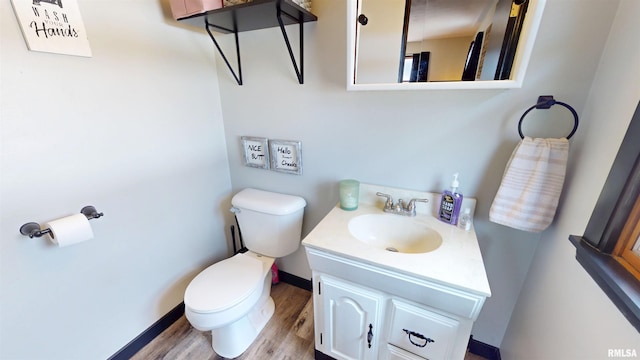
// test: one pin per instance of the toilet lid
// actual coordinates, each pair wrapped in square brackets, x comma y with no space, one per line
[224,284]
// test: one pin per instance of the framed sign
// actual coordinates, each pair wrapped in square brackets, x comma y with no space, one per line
[286,156]
[256,152]
[51,26]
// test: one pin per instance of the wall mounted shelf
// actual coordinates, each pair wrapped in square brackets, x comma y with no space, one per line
[255,15]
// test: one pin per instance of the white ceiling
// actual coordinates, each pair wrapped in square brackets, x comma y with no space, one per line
[436,19]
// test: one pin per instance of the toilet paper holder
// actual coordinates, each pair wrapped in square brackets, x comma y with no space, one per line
[32,229]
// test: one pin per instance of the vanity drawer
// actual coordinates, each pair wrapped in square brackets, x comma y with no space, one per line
[422,332]
[394,353]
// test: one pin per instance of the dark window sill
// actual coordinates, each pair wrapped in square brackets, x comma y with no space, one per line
[619,285]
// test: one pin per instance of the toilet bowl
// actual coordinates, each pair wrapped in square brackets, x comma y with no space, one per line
[232,299]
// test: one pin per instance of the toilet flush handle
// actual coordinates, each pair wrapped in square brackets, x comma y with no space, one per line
[234,210]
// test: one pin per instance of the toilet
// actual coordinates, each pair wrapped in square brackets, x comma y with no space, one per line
[231,298]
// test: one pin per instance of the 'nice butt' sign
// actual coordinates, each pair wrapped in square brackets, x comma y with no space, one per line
[53,26]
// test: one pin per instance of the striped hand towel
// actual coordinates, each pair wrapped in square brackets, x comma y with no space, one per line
[531,184]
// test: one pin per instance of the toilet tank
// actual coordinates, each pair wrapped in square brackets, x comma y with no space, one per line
[270,223]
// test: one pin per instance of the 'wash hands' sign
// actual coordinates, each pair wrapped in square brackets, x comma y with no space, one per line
[53,26]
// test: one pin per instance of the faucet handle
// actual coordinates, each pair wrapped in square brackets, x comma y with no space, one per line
[388,204]
[412,204]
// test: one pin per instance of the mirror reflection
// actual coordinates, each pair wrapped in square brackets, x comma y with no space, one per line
[400,41]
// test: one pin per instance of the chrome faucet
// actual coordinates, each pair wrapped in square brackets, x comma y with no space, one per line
[400,208]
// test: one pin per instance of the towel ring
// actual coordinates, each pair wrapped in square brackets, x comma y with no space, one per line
[545,102]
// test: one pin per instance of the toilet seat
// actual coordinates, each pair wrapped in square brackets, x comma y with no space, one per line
[225,284]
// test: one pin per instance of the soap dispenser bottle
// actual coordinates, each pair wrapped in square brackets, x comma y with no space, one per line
[450,203]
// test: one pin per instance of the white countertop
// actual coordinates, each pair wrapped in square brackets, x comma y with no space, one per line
[457,263]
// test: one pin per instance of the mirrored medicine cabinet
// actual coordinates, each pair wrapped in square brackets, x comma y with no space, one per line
[440,44]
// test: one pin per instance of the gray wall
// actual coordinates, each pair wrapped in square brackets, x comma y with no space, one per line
[136,131]
[559,297]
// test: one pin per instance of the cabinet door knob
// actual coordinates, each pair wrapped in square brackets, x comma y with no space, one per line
[419,336]
[363,19]
[370,335]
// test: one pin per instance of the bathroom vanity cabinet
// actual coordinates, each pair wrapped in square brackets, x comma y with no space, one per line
[361,323]
[360,315]
[375,304]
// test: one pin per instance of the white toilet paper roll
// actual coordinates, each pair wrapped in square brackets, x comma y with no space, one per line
[69,230]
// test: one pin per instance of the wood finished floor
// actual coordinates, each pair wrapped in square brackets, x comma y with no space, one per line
[287,336]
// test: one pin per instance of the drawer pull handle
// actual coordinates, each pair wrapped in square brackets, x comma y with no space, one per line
[370,335]
[419,336]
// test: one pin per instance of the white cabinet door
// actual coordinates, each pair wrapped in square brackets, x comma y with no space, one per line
[351,319]
[379,42]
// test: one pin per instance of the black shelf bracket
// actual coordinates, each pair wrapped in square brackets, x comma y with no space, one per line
[255,15]
[299,71]
[208,27]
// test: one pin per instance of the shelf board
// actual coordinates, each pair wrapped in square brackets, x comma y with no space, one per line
[254,15]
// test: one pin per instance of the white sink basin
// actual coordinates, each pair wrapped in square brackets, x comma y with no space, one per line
[394,233]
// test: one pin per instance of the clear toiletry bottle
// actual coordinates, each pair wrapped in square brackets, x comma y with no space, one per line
[450,203]
[465,221]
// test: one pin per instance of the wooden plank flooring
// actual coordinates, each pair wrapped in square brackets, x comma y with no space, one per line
[287,336]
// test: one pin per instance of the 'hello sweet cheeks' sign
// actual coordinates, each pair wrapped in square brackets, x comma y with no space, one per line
[285,156]
[53,26]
